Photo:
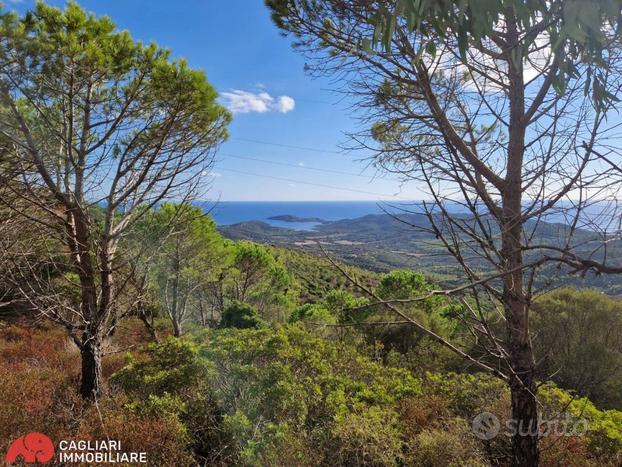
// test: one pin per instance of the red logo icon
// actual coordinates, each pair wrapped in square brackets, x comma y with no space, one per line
[31,448]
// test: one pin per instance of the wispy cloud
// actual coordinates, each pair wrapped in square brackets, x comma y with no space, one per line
[238,101]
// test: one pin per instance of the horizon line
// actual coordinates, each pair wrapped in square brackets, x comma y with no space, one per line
[304,201]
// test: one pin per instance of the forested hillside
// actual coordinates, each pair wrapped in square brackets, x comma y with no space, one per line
[282,360]
[382,242]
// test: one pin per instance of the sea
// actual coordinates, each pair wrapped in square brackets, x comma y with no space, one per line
[233,212]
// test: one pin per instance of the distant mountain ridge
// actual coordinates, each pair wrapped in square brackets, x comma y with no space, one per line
[382,242]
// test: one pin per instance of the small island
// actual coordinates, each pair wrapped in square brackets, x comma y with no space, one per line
[290,218]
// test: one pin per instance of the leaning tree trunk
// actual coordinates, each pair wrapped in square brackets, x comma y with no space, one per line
[147,318]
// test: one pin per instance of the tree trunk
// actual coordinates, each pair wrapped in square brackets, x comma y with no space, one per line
[525,415]
[515,297]
[202,314]
[147,319]
[522,378]
[522,385]
[90,347]
[91,382]
[176,328]
[174,312]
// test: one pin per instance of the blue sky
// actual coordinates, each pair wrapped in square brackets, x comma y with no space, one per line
[263,81]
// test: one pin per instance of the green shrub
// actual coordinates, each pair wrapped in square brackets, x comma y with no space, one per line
[466,394]
[313,313]
[170,383]
[165,439]
[578,337]
[368,438]
[604,427]
[345,306]
[159,384]
[170,367]
[241,316]
[288,387]
[451,445]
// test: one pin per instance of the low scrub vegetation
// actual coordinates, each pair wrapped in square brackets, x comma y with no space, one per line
[275,395]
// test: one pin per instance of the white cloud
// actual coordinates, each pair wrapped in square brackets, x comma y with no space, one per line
[286,104]
[238,101]
[245,102]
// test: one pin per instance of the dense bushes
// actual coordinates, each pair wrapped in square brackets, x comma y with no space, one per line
[286,387]
[603,430]
[312,312]
[315,276]
[168,367]
[169,381]
[38,377]
[38,382]
[578,338]
[289,391]
[240,315]
[163,439]
[277,396]
[255,393]
[448,445]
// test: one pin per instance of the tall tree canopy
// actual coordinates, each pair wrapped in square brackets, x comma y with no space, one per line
[499,109]
[191,256]
[101,129]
